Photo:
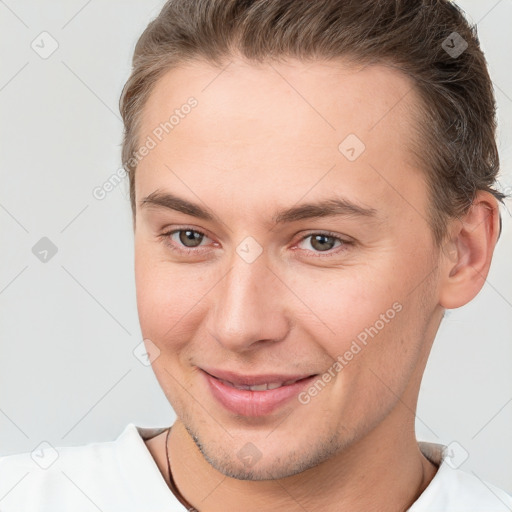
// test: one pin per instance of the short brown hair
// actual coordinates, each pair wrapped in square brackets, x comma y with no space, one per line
[458,111]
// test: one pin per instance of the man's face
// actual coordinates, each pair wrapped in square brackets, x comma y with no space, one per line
[250,293]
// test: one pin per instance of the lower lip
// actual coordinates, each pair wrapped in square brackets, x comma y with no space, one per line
[254,403]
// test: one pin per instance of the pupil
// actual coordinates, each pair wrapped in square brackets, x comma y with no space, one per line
[190,236]
[320,240]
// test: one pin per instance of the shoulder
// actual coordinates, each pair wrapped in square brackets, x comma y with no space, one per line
[455,490]
[48,471]
[472,492]
[78,478]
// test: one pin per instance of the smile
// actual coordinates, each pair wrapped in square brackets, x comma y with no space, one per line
[259,387]
[254,396]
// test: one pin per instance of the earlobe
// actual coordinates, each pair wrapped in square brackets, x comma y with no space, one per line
[466,257]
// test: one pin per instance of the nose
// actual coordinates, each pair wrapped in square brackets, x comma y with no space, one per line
[249,306]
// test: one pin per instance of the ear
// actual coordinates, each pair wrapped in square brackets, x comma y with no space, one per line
[466,256]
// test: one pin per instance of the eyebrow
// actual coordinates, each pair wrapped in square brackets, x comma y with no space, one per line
[330,207]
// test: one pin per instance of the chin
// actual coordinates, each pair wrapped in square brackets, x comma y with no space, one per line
[278,461]
[269,470]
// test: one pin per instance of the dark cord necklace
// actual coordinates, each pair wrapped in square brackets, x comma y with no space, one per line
[172,484]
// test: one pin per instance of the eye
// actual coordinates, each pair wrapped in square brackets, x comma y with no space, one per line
[189,237]
[325,242]
[184,240]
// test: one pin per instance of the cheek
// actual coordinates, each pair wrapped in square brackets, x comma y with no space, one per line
[168,296]
[346,305]
[155,293]
[368,318]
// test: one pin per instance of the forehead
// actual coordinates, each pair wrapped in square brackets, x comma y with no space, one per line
[334,96]
[284,129]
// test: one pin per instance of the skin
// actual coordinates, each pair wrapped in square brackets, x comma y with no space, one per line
[262,138]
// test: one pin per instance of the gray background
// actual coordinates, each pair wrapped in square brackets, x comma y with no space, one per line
[69,326]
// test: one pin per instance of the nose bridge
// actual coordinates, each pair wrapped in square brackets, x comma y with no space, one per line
[247,307]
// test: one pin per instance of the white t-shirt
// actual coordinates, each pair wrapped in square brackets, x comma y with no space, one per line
[121,476]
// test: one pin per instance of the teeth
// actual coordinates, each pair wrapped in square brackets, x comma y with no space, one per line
[259,387]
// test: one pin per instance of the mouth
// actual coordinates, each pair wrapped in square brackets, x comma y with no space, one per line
[261,387]
[256,395]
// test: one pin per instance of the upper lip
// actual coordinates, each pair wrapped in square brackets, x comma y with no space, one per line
[254,380]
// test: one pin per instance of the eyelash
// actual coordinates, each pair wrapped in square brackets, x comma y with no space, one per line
[345,244]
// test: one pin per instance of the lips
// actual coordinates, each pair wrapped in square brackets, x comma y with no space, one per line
[256,395]
[237,380]
[259,387]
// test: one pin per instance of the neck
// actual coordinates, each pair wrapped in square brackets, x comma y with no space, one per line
[384,471]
